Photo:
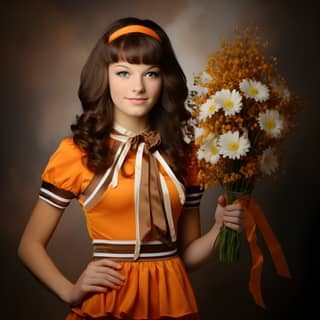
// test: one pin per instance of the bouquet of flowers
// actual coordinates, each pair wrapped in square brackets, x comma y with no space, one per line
[242,110]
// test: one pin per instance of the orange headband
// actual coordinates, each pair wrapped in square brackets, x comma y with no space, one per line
[131,29]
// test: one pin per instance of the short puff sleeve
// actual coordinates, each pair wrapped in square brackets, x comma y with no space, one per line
[194,191]
[62,176]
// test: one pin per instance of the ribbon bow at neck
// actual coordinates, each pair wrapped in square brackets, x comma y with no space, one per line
[153,213]
[152,217]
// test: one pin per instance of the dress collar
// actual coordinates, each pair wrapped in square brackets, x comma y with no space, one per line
[126,132]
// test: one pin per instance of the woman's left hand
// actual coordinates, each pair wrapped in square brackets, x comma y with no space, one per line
[231,215]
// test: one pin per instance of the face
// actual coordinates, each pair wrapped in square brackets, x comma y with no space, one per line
[134,89]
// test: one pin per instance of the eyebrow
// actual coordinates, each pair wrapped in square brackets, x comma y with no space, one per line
[127,67]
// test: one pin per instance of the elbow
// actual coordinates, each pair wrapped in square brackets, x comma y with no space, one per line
[189,263]
[21,250]
[25,249]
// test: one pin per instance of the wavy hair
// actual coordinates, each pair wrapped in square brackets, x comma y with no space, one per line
[92,128]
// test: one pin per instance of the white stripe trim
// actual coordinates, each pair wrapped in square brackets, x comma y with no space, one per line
[50,193]
[193,195]
[137,183]
[174,179]
[121,157]
[103,179]
[132,255]
[52,203]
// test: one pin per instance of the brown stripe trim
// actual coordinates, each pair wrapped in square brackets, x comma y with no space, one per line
[128,248]
[90,187]
[94,183]
[192,205]
[101,191]
[54,200]
[57,191]
[193,189]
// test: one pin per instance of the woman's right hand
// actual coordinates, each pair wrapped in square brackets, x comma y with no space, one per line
[99,276]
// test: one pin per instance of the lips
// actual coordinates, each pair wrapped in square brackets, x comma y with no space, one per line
[137,100]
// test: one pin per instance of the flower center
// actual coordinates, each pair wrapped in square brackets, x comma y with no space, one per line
[228,104]
[253,91]
[270,124]
[212,108]
[233,146]
[213,150]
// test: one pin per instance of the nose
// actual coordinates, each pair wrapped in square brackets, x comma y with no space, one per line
[138,84]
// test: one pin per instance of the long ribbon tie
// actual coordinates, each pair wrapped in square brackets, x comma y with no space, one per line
[152,217]
[254,217]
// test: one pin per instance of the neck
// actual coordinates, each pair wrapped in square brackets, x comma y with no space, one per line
[135,125]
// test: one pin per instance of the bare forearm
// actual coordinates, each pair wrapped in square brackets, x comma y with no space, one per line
[199,250]
[35,257]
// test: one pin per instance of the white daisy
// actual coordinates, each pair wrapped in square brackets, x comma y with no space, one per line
[271,122]
[233,146]
[208,108]
[205,77]
[269,162]
[198,135]
[201,91]
[201,154]
[254,89]
[209,150]
[230,101]
[280,90]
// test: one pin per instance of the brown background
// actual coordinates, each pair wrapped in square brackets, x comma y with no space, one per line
[44,46]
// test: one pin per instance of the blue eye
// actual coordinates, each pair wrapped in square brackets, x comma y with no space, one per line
[153,74]
[123,74]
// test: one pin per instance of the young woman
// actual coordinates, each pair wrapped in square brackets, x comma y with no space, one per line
[126,165]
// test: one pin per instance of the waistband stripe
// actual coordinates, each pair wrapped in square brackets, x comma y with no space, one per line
[131,255]
[125,249]
[123,242]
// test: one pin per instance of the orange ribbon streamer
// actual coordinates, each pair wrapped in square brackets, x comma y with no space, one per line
[254,217]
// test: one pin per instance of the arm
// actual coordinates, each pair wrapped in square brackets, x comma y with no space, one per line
[196,248]
[97,277]
[32,248]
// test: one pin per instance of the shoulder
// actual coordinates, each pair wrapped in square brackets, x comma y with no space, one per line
[67,152]
[66,166]
[68,147]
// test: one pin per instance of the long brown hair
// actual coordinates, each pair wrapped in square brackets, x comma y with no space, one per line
[92,128]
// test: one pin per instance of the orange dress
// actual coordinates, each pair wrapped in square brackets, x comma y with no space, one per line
[155,289]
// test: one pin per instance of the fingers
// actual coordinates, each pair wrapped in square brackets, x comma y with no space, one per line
[102,274]
[235,227]
[233,207]
[233,217]
[108,263]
